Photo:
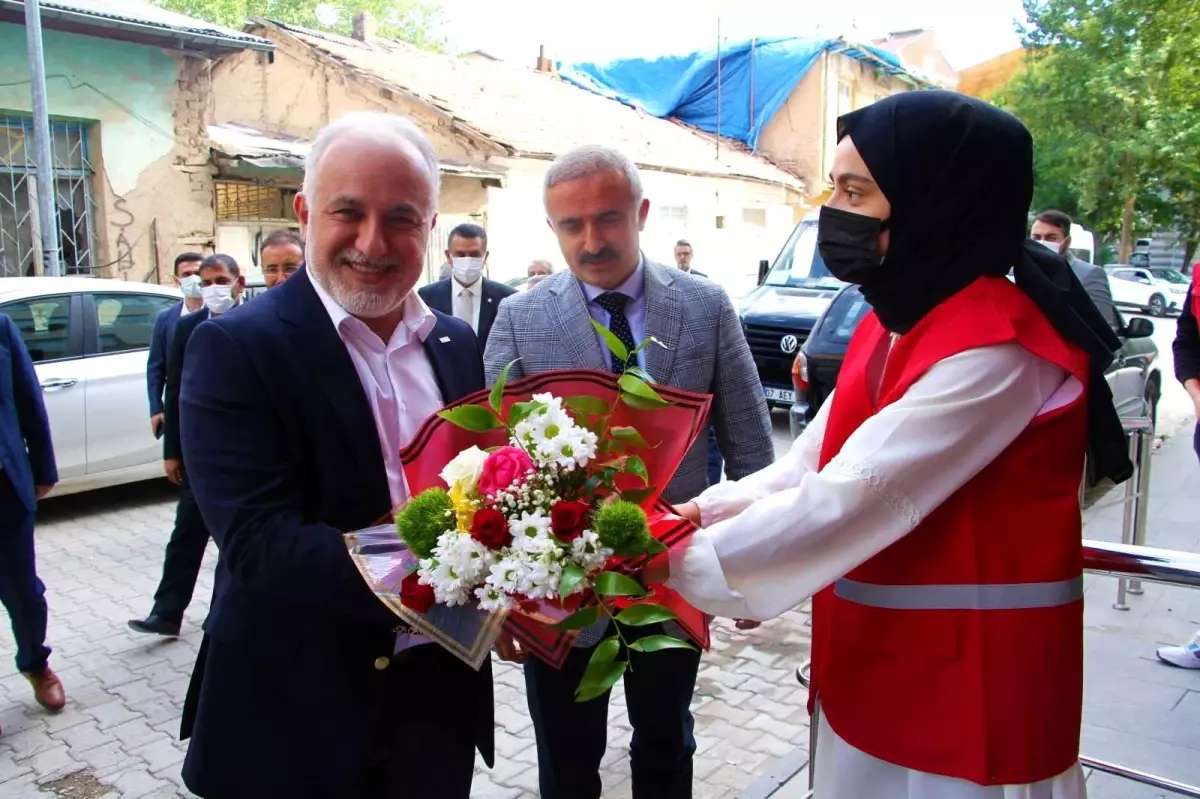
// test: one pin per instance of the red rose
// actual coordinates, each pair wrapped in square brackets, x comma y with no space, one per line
[568,520]
[414,596]
[490,528]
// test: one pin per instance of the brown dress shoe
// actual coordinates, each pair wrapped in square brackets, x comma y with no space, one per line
[48,689]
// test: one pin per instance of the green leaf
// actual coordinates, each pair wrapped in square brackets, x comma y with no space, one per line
[611,341]
[638,495]
[589,406]
[571,577]
[629,436]
[655,547]
[597,682]
[520,411]
[605,652]
[643,404]
[579,620]
[592,486]
[475,418]
[637,467]
[617,584]
[637,387]
[657,643]
[639,373]
[497,394]
[642,615]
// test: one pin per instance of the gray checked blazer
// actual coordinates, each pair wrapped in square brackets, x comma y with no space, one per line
[550,328]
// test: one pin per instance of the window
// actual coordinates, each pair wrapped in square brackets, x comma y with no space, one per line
[125,322]
[754,217]
[845,102]
[20,249]
[44,323]
[249,202]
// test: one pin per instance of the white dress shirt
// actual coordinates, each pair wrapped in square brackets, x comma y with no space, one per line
[467,300]
[396,377]
[778,536]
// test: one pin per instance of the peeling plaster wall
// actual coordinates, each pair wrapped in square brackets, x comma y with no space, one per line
[802,134]
[145,109]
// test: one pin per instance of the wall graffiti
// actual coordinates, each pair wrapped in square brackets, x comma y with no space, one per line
[122,219]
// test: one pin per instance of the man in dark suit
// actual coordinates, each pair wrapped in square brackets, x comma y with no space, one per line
[716,464]
[221,287]
[187,267]
[27,473]
[683,258]
[293,414]
[1052,229]
[595,207]
[467,294]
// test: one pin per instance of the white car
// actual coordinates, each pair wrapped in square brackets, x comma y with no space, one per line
[89,339]
[1155,291]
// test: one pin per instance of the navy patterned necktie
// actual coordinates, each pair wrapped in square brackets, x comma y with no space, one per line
[614,302]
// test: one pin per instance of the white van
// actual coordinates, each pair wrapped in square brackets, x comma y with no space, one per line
[1083,243]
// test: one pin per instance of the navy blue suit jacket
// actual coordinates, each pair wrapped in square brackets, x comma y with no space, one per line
[440,297]
[26,451]
[283,456]
[161,338]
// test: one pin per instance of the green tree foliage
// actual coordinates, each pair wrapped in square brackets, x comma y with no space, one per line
[1110,92]
[415,21]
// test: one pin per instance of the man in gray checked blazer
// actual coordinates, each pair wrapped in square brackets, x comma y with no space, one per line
[595,207]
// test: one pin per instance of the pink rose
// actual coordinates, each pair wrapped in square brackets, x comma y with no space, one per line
[504,468]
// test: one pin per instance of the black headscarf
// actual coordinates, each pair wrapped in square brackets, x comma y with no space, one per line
[959,176]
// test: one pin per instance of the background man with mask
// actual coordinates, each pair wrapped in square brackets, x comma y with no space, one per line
[187,265]
[594,205]
[467,294]
[221,285]
[1052,229]
[932,506]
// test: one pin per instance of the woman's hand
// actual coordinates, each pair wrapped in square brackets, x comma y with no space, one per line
[689,511]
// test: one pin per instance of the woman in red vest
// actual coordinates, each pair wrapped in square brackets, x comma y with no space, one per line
[1186,350]
[932,505]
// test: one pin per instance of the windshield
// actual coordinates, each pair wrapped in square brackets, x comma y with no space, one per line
[1169,275]
[800,264]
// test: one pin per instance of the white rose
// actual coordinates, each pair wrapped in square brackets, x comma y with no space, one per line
[465,469]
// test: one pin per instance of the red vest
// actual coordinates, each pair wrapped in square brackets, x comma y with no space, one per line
[1196,294]
[958,650]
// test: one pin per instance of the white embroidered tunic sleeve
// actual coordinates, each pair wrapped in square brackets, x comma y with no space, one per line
[777,537]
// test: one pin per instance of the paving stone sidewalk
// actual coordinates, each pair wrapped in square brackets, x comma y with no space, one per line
[100,556]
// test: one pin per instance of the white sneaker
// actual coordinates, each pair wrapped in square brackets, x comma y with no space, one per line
[1185,657]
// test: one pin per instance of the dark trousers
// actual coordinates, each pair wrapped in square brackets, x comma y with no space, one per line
[572,736]
[715,464]
[1196,440]
[181,566]
[21,592]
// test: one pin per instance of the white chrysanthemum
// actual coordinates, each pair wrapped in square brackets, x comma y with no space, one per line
[491,599]
[538,576]
[529,525]
[587,552]
[505,574]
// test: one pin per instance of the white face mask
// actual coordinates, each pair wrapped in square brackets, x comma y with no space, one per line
[467,270]
[1051,245]
[190,286]
[218,299]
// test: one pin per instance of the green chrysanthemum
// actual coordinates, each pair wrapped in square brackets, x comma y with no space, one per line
[424,519]
[623,528]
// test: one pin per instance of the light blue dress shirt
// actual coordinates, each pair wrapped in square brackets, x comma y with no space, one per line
[634,288]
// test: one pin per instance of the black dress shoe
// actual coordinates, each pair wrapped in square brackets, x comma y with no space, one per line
[156,625]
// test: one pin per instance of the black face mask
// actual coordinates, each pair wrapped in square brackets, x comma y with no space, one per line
[849,244]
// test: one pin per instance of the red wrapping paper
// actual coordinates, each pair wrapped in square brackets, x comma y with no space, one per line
[669,432]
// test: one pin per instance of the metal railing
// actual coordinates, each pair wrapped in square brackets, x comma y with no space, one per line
[1125,562]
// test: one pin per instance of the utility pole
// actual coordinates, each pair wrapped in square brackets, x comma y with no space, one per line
[47,213]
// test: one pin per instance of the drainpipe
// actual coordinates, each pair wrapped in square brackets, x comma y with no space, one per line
[43,152]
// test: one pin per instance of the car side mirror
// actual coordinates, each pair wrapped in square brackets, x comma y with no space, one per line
[1139,328]
[763,268]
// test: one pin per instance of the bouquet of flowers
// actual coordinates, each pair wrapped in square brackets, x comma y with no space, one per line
[545,513]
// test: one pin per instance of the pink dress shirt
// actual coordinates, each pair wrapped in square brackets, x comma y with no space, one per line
[396,377]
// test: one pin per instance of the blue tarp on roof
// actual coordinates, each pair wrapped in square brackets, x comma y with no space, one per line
[685,87]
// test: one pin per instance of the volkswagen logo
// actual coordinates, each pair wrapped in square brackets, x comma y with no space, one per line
[789,344]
